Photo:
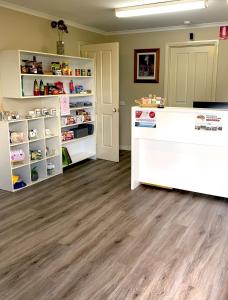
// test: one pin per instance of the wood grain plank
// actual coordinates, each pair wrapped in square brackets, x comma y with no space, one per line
[85,235]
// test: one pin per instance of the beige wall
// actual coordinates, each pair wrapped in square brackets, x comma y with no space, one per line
[130,90]
[22,31]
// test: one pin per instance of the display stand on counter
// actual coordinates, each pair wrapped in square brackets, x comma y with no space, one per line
[62,140]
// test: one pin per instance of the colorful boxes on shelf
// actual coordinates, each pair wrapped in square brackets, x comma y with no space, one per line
[67,135]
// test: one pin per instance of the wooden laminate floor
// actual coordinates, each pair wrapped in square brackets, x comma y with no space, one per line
[86,235]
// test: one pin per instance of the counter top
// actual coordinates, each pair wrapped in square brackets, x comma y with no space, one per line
[180,109]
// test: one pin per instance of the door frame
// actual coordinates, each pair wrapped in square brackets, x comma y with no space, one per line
[169,46]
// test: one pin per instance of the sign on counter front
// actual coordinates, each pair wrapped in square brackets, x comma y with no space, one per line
[145,118]
[209,122]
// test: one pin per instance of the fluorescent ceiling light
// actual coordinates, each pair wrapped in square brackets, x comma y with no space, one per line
[160,8]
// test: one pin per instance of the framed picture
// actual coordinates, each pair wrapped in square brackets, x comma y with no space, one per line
[147,65]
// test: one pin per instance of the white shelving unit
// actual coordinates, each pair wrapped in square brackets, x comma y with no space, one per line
[22,84]
[23,169]
[84,147]
[17,90]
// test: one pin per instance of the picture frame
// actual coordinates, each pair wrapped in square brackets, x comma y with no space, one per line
[146,65]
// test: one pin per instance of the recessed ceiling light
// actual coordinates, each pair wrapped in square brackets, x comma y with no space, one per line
[160,8]
[187,22]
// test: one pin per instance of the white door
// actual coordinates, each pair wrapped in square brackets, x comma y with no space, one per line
[106,58]
[191,74]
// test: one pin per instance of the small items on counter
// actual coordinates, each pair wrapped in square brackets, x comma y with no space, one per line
[151,101]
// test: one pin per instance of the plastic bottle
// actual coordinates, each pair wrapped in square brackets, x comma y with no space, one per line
[41,88]
[36,90]
[71,87]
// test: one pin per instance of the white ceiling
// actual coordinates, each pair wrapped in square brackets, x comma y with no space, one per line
[99,14]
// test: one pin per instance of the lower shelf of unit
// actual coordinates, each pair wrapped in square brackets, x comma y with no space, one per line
[17,166]
[37,181]
[80,157]
[77,139]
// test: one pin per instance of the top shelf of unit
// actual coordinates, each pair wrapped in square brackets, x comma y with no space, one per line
[54,76]
[59,95]
[32,119]
[54,55]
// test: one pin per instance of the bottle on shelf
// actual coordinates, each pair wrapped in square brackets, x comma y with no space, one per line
[36,90]
[71,87]
[46,89]
[42,93]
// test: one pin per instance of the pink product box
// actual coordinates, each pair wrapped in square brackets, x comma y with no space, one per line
[17,156]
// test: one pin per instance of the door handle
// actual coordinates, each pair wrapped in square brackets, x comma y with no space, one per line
[114,109]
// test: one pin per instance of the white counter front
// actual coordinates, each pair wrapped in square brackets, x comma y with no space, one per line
[181,148]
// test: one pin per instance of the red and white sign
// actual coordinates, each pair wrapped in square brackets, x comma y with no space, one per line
[223,34]
[145,118]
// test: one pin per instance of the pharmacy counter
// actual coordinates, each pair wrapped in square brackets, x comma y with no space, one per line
[182,148]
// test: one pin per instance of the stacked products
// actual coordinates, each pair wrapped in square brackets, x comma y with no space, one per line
[81,116]
[40,89]
[80,131]
[80,104]
[57,88]
[31,67]
[56,68]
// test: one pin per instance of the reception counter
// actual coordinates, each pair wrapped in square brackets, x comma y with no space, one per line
[181,148]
